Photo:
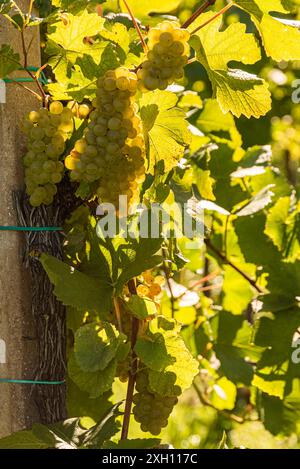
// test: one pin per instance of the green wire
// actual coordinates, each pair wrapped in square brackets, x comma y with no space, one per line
[28,381]
[42,79]
[30,228]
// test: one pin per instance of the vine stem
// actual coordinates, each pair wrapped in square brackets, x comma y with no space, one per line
[136,25]
[169,285]
[133,369]
[34,77]
[198,12]
[15,82]
[118,313]
[221,12]
[225,260]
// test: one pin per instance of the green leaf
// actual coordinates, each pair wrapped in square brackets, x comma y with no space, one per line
[96,345]
[258,202]
[165,128]
[69,34]
[245,227]
[235,90]
[254,162]
[117,34]
[135,257]
[282,227]
[173,367]
[280,37]
[223,395]
[95,437]
[141,308]
[153,351]
[74,288]
[237,291]
[9,60]
[23,440]
[233,364]
[94,383]
[79,403]
[67,434]
[205,183]
[142,10]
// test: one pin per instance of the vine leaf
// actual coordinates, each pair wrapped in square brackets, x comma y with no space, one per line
[213,120]
[142,9]
[74,288]
[275,370]
[223,395]
[9,61]
[67,434]
[280,36]
[67,46]
[70,33]
[136,256]
[117,34]
[235,90]
[96,346]
[282,227]
[141,308]
[258,202]
[165,128]
[94,383]
[171,366]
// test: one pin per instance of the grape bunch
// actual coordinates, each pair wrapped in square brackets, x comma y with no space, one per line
[150,285]
[112,150]
[151,409]
[46,131]
[168,54]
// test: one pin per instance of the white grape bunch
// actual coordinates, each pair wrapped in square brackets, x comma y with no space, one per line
[151,410]
[112,150]
[168,54]
[46,132]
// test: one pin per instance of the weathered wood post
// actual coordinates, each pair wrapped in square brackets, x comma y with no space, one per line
[18,351]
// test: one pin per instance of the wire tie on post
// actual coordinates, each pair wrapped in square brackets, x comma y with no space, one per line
[29,381]
[42,78]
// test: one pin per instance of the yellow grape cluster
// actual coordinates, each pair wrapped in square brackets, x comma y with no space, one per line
[112,150]
[168,54]
[150,285]
[46,131]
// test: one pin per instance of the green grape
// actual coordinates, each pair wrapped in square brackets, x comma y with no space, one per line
[46,143]
[168,54]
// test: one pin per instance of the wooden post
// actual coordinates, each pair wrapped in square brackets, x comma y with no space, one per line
[17,332]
